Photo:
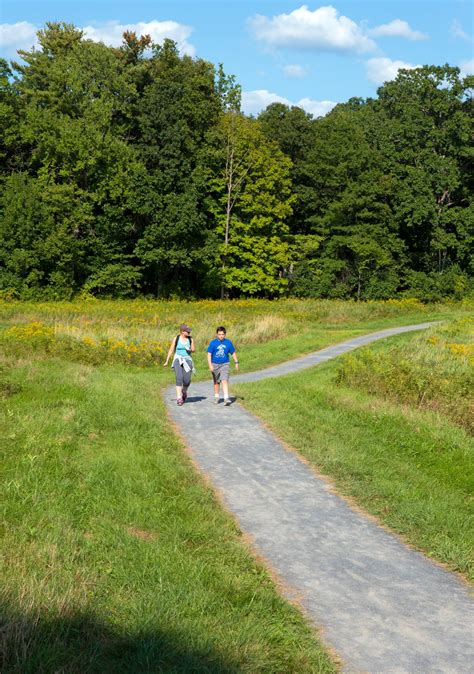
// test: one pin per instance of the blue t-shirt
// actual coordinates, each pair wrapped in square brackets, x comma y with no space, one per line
[220,350]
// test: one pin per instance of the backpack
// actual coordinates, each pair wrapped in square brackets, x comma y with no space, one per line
[176,344]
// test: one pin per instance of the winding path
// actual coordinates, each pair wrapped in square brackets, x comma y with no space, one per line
[380,605]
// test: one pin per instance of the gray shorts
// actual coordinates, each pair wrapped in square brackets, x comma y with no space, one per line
[220,372]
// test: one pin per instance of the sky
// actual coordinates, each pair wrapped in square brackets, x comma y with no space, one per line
[313,55]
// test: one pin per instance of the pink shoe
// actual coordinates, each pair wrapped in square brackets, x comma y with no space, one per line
[179,401]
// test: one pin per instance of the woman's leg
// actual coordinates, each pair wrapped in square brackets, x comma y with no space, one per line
[186,383]
[178,371]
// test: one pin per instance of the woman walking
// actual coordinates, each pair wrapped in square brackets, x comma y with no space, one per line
[181,348]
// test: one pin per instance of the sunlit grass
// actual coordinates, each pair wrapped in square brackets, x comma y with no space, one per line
[116,556]
[140,331]
[414,469]
[433,370]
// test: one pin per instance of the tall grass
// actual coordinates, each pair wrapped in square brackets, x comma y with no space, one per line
[433,370]
[140,331]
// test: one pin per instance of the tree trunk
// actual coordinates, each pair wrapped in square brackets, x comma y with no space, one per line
[229,169]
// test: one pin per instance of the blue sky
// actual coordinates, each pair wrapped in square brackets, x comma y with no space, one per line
[312,54]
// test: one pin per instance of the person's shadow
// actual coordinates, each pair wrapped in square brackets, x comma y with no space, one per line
[79,642]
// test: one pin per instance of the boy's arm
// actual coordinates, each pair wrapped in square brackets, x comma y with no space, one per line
[209,361]
[236,360]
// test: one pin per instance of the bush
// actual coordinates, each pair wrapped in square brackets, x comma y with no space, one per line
[114,280]
[432,287]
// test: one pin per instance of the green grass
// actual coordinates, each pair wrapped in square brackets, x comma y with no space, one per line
[433,370]
[411,468]
[140,331]
[116,555]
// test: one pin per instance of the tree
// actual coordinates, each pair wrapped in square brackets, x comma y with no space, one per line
[249,182]
[179,105]
[424,134]
[293,130]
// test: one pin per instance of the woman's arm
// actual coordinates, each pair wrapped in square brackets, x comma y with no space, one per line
[193,348]
[170,351]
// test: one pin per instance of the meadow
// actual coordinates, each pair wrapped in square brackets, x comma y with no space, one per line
[117,555]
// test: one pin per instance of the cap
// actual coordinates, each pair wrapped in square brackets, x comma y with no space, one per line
[184,328]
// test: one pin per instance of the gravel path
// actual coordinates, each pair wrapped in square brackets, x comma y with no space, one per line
[380,605]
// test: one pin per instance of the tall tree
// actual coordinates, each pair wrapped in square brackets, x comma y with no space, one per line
[250,201]
[178,107]
[293,129]
[424,133]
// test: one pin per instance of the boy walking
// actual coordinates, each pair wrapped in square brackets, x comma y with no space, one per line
[218,353]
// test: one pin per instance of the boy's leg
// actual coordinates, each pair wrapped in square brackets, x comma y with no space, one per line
[215,379]
[225,388]
[225,383]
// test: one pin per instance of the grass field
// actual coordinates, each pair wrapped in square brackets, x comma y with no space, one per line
[116,555]
[391,424]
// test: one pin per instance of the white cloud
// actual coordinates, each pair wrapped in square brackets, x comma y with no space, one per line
[254,102]
[397,28]
[316,108]
[22,35]
[457,30]
[466,68]
[111,33]
[380,70]
[294,70]
[321,29]
[13,36]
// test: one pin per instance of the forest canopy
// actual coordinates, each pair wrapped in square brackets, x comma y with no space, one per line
[132,171]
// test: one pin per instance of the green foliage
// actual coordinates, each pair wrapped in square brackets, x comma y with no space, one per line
[114,280]
[432,286]
[139,159]
[250,200]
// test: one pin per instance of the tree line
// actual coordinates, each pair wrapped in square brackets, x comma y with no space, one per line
[132,171]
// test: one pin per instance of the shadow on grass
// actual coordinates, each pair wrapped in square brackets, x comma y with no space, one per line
[38,644]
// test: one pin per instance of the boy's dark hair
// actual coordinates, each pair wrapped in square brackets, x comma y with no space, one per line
[221,329]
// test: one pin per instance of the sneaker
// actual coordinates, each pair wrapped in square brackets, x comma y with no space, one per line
[179,401]
[227,402]
[216,400]
[185,395]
